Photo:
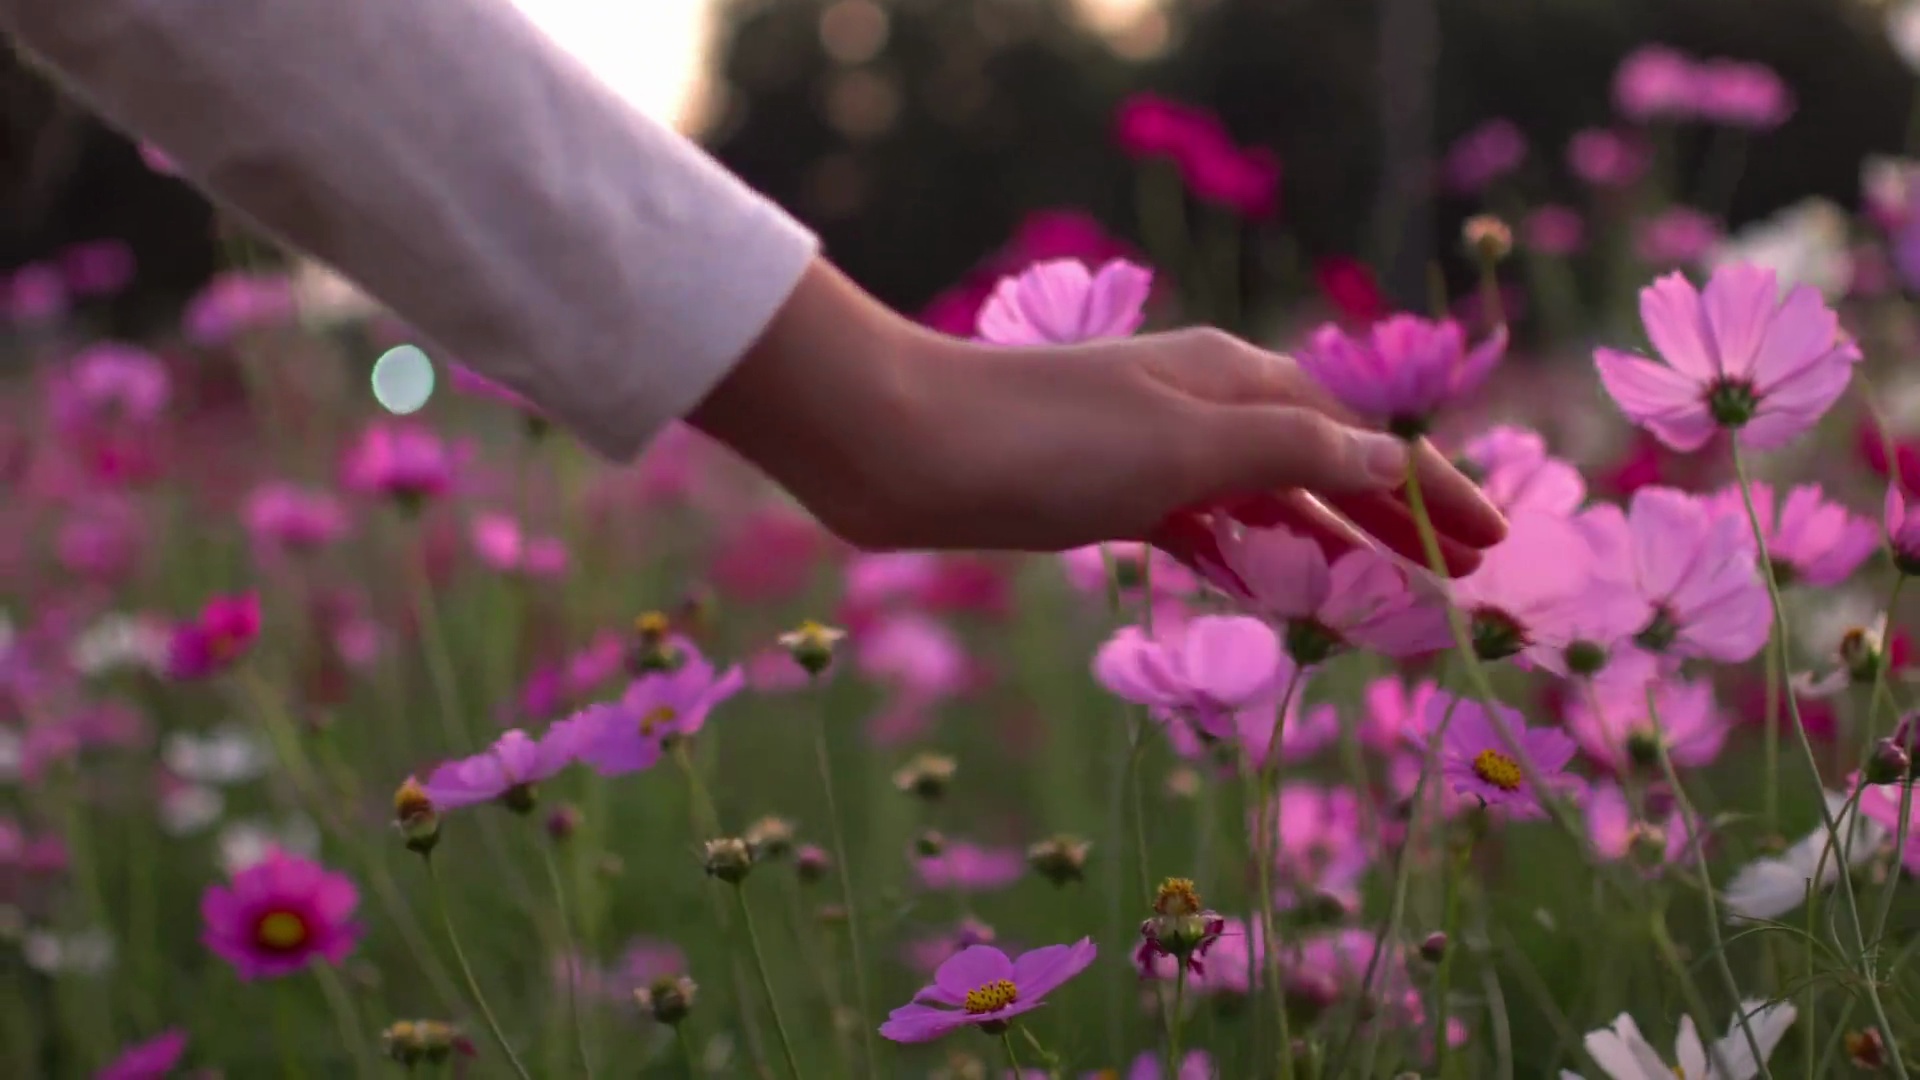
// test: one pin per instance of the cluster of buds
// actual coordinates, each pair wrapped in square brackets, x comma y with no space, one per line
[1060,859]
[730,859]
[770,838]
[811,645]
[926,776]
[413,813]
[651,649]
[414,1042]
[668,999]
[1180,928]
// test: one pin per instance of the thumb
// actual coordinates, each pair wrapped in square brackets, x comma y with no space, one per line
[1249,448]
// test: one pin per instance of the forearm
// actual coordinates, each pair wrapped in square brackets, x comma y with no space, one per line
[463,170]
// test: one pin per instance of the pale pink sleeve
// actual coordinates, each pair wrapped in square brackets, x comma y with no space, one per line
[462,169]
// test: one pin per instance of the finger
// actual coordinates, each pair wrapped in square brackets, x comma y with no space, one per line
[1389,521]
[1241,449]
[1303,514]
[1456,505]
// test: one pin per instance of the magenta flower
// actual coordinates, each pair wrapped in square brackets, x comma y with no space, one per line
[1205,672]
[964,866]
[1137,566]
[1483,752]
[1809,540]
[1320,847]
[1742,94]
[1554,230]
[1694,576]
[1062,303]
[109,383]
[97,267]
[294,518]
[1616,834]
[506,771]
[150,1060]
[1394,715]
[1484,155]
[1403,372]
[1359,599]
[982,986]
[1737,356]
[278,915]
[1656,82]
[1518,475]
[36,293]
[1244,180]
[1149,126]
[1614,728]
[216,639]
[235,302]
[400,460]
[1608,159]
[1522,596]
[501,545]
[1903,532]
[1676,236]
[628,735]
[1194,1065]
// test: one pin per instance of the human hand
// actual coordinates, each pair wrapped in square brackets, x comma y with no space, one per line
[895,437]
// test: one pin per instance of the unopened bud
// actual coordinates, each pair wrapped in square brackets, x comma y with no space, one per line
[1860,651]
[1647,844]
[520,798]
[1889,763]
[811,645]
[651,649]
[926,776]
[1059,859]
[811,863]
[1866,1049]
[1585,658]
[668,999]
[1487,238]
[1434,948]
[563,822]
[770,837]
[1183,782]
[930,843]
[412,1042]
[730,859]
[1643,747]
[413,812]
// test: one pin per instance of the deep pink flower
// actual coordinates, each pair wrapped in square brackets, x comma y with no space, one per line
[501,545]
[1742,94]
[1520,599]
[625,736]
[1204,673]
[1656,82]
[1608,159]
[285,515]
[980,985]
[506,771]
[1244,180]
[956,310]
[1554,230]
[1519,476]
[1485,154]
[234,303]
[1809,539]
[1062,303]
[1403,371]
[1616,834]
[1360,599]
[1736,356]
[97,267]
[218,637]
[1903,532]
[1701,595]
[1057,233]
[1613,726]
[1149,126]
[401,460]
[109,384]
[1676,236]
[150,1060]
[1482,752]
[1350,286]
[963,866]
[278,915]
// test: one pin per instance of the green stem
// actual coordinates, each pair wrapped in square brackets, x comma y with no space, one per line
[1267,827]
[1013,1059]
[686,1049]
[1443,976]
[1906,785]
[345,1018]
[823,760]
[766,980]
[466,972]
[1179,1020]
[574,959]
[1776,658]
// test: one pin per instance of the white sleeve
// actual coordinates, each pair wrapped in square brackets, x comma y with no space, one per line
[463,170]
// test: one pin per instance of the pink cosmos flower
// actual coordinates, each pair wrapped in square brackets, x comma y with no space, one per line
[1320,849]
[1676,236]
[1057,233]
[1554,230]
[1482,752]
[36,294]
[1147,125]
[980,985]
[1326,968]
[1742,94]
[1484,155]
[278,915]
[109,384]
[1521,598]
[964,866]
[216,639]
[1700,593]
[1615,834]
[1243,180]
[1360,599]
[1403,371]
[150,1060]
[1137,566]
[914,653]
[1194,1065]
[1612,724]
[627,735]
[1809,539]
[236,302]
[1518,475]
[1204,673]
[401,460]
[1394,715]
[1880,804]
[294,518]
[1608,159]
[927,954]
[1903,532]
[501,545]
[97,267]
[506,771]
[1655,82]
[1737,356]
[101,539]
[1308,732]
[1062,303]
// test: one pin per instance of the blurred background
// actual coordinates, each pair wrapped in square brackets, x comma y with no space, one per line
[916,134]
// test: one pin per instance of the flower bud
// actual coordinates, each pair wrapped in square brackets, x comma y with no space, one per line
[412,1042]
[771,838]
[1585,658]
[811,863]
[730,859]
[811,645]
[563,822]
[1647,844]
[413,811]
[930,843]
[1059,859]
[1487,238]
[520,798]
[1177,896]
[669,999]
[1866,1049]
[1183,782]
[1434,948]
[651,649]
[1860,652]
[1889,762]
[926,776]
[1643,747]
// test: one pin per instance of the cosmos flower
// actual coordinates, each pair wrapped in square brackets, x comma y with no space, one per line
[1809,539]
[1624,1054]
[1205,672]
[153,1059]
[1063,303]
[981,986]
[1403,371]
[506,771]
[628,735]
[1482,752]
[217,638]
[280,915]
[1694,577]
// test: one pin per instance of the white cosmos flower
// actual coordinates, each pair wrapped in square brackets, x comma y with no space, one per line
[86,952]
[1624,1054]
[190,808]
[245,843]
[119,641]
[229,754]
[1771,886]
[1805,244]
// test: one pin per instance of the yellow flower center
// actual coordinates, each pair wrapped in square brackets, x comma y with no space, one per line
[653,624]
[281,931]
[1497,769]
[658,719]
[992,997]
[1177,896]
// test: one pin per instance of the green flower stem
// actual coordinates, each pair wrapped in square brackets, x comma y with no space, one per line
[574,959]
[466,972]
[1267,837]
[1443,975]
[766,981]
[823,760]
[1179,1020]
[346,1018]
[1906,785]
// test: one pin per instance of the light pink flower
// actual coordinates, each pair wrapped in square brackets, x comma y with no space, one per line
[1614,832]
[913,652]
[501,545]
[1062,303]
[1519,476]
[1394,715]
[234,303]
[1519,599]
[1809,539]
[506,771]
[1701,595]
[1742,94]
[1736,356]
[1610,718]
[964,866]
[1137,566]
[1655,82]
[1204,673]
[109,384]
[1554,230]
[1320,847]
[1676,236]
[1485,154]
[628,735]
[285,515]
[1404,371]
[1608,159]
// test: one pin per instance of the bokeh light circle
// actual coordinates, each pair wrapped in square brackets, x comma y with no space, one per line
[402,379]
